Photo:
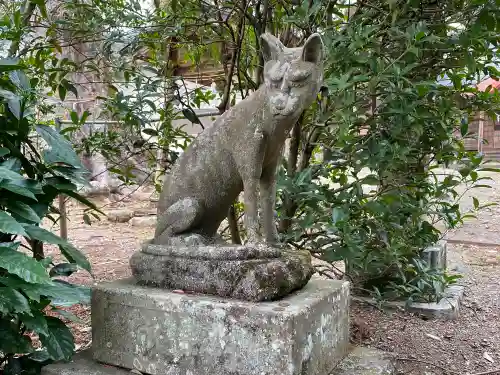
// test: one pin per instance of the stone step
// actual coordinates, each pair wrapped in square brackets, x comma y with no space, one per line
[82,364]
[359,361]
[366,361]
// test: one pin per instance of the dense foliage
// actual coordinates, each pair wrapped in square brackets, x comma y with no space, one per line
[31,177]
[389,126]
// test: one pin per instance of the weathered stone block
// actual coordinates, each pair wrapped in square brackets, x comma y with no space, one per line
[160,332]
[120,216]
[143,221]
[435,256]
[447,308]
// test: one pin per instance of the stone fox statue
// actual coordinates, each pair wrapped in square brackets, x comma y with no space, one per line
[241,150]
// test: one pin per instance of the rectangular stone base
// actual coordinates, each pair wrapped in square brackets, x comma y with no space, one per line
[161,332]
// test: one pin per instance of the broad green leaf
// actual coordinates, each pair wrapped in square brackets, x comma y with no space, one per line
[65,294]
[39,355]
[41,7]
[74,175]
[74,255]
[190,115]
[7,174]
[62,293]
[33,291]
[26,188]
[151,132]
[63,269]
[14,104]
[464,128]
[9,64]
[59,340]
[13,164]
[475,201]
[343,179]
[74,117]
[60,183]
[60,150]
[41,209]
[9,225]
[4,151]
[69,251]
[23,210]
[11,301]
[488,169]
[84,117]
[338,214]
[47,261]
[37,233]
[13,342]
[27,268]
[370,180]
[80,198]
[62,92]
[68,315]
[19,78]
[70,87]
[473,175]
[36,322]
[420,35]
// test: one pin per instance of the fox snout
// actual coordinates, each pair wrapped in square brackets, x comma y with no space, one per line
[279,101]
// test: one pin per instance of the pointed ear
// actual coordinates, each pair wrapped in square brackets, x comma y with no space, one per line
[271,47]
[313,49]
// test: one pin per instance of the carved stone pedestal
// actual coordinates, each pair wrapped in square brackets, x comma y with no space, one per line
[230,271]
[160,332]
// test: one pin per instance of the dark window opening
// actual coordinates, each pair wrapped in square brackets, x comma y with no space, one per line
[496,122]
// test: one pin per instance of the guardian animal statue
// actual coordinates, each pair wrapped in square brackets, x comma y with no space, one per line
[239,152]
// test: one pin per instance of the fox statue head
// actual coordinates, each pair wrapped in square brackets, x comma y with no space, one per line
[292,76]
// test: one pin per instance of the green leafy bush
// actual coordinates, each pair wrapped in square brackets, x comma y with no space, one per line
[30,179]
[390,124]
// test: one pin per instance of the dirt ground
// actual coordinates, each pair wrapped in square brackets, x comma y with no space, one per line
[469,345]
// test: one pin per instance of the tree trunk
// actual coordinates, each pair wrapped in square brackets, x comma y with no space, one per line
[223,106]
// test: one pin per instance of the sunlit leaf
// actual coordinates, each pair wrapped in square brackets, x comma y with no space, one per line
[25,267]
[58,341]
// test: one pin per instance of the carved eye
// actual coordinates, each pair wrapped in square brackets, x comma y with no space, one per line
[276,82]
[298,83]
[299,78]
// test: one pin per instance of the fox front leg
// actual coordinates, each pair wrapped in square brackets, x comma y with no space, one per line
[249,161]
[268,202]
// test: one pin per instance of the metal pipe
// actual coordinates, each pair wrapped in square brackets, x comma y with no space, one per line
[63,219]
[209,113]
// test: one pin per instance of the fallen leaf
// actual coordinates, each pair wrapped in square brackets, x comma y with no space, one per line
[433,337]
[488,357]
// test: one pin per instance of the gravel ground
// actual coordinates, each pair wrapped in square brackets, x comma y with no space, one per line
[469,345]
